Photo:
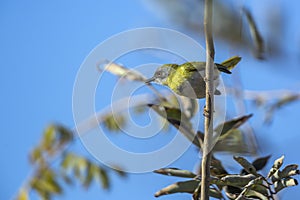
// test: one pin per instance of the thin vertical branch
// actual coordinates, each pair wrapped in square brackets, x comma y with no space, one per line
[209,108]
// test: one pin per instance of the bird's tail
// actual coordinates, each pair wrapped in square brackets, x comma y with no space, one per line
[231,62]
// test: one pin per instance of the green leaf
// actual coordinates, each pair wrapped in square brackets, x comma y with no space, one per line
[277,164]
[232,124]
[257,195]
[91,172]
[232,141]
[178,120]
[256,36]
[49,138]
[216,168]
[260,163]
[103,177]
[285,100]
[46,186]
[23,195]
[68,161]
[65,135]
[185,187]
[36,155]
[176,172]
[290,170]
[283,183]
[237,180]
[114,122]
[182,187]
[248,167]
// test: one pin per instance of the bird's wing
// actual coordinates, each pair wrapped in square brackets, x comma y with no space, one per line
[193,66]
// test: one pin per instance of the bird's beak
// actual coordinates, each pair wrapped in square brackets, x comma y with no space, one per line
[149,80]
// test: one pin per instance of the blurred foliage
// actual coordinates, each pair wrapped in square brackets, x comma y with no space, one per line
[48,178]
[272,103]
[249,184]
[232,23]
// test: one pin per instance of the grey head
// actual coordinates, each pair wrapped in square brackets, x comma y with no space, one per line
[162,73]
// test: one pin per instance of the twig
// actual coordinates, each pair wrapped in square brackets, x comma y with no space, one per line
[208,122]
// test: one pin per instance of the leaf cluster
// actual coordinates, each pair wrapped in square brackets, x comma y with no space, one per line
[48,177]
[248,184]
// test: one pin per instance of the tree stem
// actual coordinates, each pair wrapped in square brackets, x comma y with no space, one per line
[209,108]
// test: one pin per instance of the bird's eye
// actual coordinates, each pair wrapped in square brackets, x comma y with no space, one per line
[158,73]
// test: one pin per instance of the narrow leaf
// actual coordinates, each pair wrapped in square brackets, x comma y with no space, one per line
[176,172]
[260,163]
[248,167]
[255,34]
[178,120]
[290,170]
[277,164]
[232,124]
[232,141]
[237,180]
[23,195]
[182,187]
[103,177]
[49,137]
[283,183]
[186,187]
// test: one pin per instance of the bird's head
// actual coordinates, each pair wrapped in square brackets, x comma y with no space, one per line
[162,73]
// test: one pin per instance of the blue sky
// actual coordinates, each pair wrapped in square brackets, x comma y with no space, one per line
[43,44]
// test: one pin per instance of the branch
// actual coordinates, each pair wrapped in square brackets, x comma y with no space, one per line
[209,109]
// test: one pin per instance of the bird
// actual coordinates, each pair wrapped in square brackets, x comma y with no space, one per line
[187,79]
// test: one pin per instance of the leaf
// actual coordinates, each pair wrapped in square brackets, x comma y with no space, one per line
[64,136]
[258,190]
[23,195]
[216,168]
[287,99]
[103,177]
[248,167]
[119,170]
[36,155]
[255,34]
[122,71]
[232,192]
[283,183]
[238,180]
[68,161]
[46,186]
[252,194]
[232,141]
[48,138]
[290,170]
[260,163]
[277,164]
[91,172]
[179,187]
[114,122]
[232,124]
[178,120]
[176,172]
